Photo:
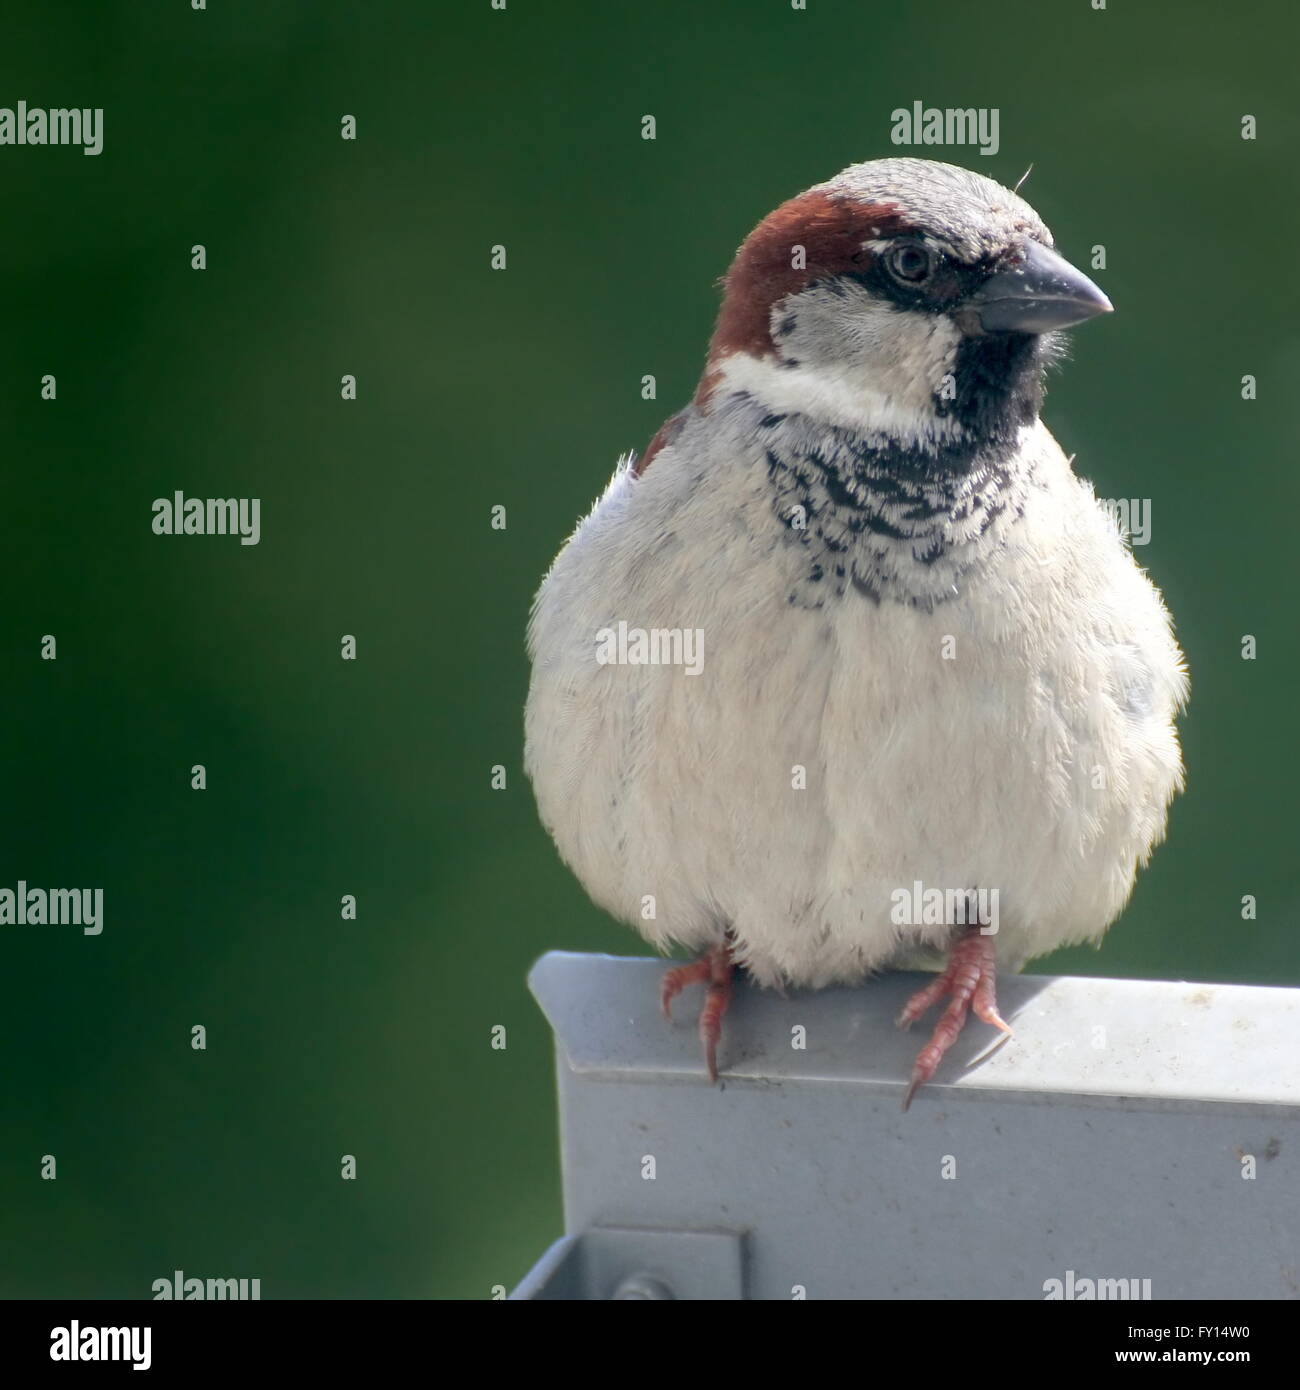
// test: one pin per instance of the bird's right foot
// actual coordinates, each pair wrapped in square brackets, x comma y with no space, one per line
[969,983]
[714,969]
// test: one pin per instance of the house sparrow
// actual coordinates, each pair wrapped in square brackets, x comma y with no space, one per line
[923,652]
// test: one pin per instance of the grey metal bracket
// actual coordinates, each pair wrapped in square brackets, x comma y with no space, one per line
[612,1264]
[1139,1136]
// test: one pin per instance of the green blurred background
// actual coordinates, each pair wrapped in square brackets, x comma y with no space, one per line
[476,388]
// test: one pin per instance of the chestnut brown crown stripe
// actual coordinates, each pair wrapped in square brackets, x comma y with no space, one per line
[831,228]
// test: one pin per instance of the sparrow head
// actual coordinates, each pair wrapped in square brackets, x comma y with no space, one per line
[906,299]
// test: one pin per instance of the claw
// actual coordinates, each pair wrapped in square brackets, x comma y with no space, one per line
[715,969]
[969,979]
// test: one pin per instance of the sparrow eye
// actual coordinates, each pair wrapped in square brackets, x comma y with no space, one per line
[910,263]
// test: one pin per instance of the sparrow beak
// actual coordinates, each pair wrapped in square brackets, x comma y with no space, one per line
[1043,291]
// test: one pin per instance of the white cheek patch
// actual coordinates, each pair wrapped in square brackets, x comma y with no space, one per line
[855,362]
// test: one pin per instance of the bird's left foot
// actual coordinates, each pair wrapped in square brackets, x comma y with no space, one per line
[715,969]
[970,979]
